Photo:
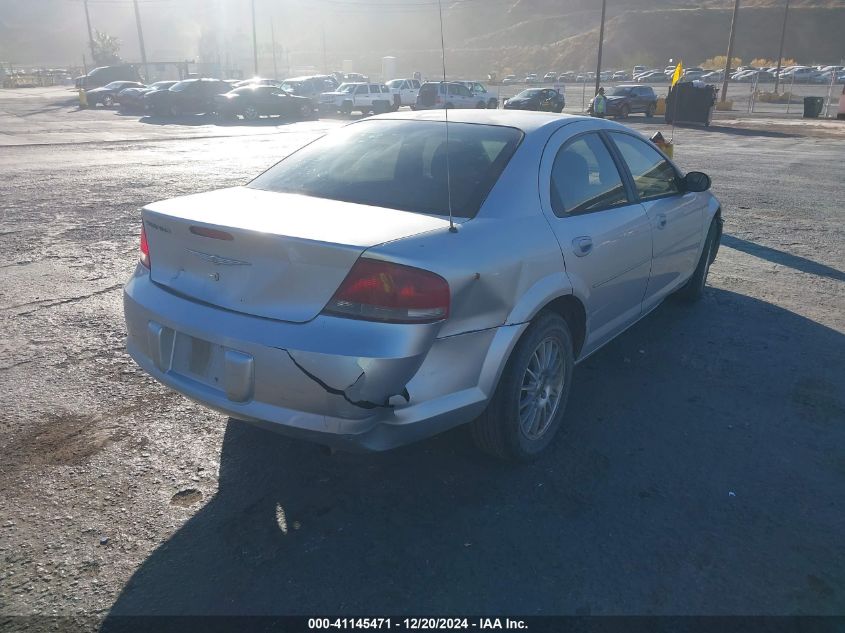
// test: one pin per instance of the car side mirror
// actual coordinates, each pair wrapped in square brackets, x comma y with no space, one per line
[697,181]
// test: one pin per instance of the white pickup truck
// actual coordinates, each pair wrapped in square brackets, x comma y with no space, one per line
[357,97]
[404,92]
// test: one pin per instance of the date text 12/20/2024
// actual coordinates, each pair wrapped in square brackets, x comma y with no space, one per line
[415,624]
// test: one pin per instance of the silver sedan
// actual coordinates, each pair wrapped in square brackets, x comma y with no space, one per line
[334,298]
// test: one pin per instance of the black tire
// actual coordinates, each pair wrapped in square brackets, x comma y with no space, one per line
[250,113]
[499,431]
[108,101]
[492,104]
[306,112]
[624,112]
[693,290]
[649,112]
[481,105]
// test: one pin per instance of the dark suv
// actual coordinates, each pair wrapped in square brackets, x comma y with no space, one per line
[625,100]
[192,96]
[106,75]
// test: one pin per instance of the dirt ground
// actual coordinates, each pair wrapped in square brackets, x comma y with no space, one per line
[700,471]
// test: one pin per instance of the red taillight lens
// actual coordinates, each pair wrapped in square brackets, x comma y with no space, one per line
[145,248]
[393,293]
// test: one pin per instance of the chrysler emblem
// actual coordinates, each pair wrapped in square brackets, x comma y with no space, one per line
[217,260]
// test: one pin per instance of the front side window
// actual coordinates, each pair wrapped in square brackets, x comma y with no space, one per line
[399,165]
[653,175]
[584,178]
[361,90]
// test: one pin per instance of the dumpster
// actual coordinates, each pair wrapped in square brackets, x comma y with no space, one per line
[813,107]
[690,102]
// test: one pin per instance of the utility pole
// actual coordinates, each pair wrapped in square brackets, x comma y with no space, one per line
[730,53]
[601,44]
[325,64]
[254,40]
[780,50]
[273,44]
[141,42]
[90,35]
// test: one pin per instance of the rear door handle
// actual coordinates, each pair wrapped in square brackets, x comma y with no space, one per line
[661,220]
[582,245]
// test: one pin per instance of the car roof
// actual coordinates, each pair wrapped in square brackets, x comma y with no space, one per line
[524,120]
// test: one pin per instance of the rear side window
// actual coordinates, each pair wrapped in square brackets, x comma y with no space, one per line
[399,165]
[585,178]
[653,175]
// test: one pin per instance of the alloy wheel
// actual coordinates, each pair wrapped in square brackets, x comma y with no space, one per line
[541,389]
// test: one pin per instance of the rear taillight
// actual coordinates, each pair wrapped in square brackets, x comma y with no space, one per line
[381,291]
[145,248]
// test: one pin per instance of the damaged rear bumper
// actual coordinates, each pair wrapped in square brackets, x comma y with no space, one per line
[342,382]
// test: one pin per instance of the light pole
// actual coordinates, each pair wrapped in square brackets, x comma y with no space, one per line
[730,53]
[601,44]
[90,36]
[780,50]
[254,41]
[141,42]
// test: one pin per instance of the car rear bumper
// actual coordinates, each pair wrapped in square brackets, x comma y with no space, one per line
[341,382]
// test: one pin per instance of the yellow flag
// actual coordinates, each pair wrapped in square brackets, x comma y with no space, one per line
[679,70]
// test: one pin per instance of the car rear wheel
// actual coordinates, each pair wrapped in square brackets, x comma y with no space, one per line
[527,407]
[624,111]
[174,111]
[250,113]
[694,288]
[108,101]
[492,104]
[480,105]
[650,110]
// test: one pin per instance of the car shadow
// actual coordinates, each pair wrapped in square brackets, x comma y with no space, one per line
[781,257]
[694,448]
[207,119]
[738,131]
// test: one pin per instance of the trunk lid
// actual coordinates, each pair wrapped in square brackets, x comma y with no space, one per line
[275,255]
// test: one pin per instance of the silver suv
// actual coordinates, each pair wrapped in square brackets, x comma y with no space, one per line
[452,94]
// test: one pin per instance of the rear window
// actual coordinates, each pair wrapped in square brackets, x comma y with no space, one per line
[399,165]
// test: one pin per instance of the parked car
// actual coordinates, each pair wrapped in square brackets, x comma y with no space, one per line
[107,74]
[550,77]
[509,79]
[132,99]
[310,86]
[107,95]
[357,97]
[531,78]
[638,70]
[257,81]
[540,99]
[404,92]
[652,77]
[192,96]
[567,76]
[479,90]
[620,75]
[330,299]
[625,100]
[451,94]
[251,102]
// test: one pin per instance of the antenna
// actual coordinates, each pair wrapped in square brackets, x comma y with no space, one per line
[452,227]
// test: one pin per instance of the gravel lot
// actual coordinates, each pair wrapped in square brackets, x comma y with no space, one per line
[701,469]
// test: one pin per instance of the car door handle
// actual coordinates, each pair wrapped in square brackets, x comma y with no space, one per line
[661,220]
[582,245]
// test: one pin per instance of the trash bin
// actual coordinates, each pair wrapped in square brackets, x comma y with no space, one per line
[813,107]
[690,102]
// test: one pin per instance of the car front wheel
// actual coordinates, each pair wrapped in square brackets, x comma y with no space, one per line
[108,101]
[650,110]
[694,288]
[250,113]
[527,407]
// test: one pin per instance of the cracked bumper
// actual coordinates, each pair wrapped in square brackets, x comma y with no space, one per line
[327,380]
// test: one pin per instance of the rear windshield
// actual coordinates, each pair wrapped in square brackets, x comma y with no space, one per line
[399,165]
